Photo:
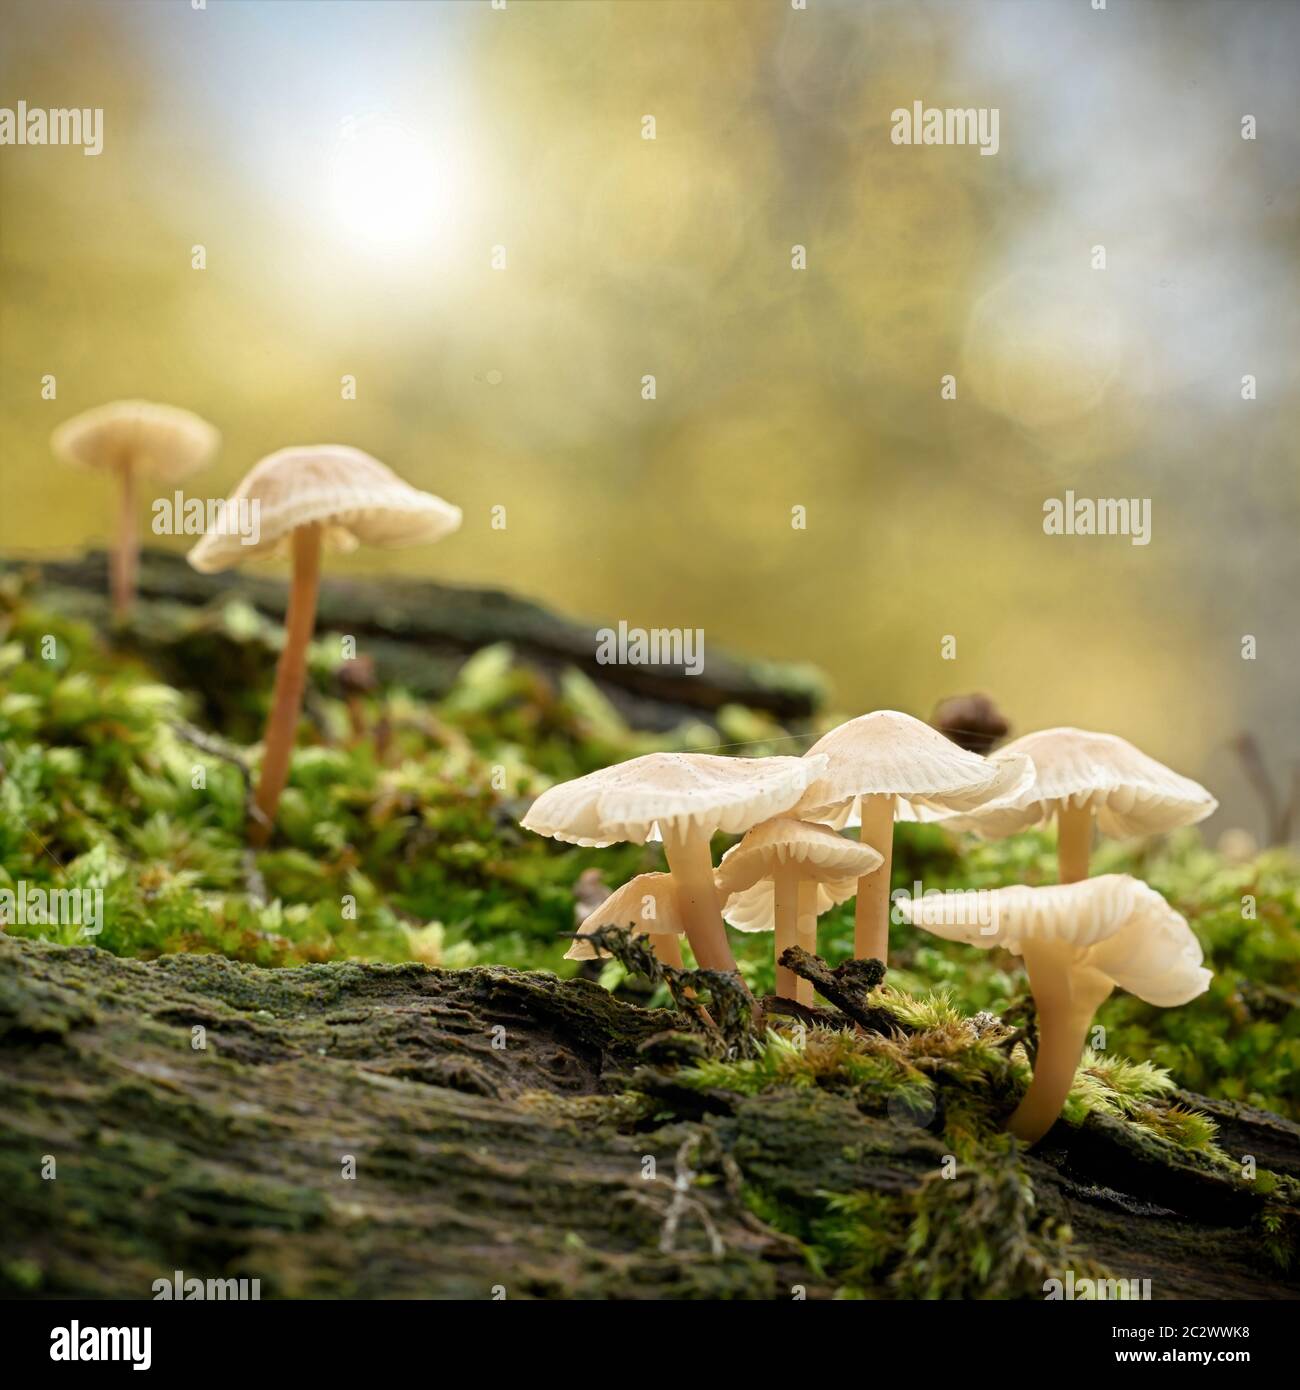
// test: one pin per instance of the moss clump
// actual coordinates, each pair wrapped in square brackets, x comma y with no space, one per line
[947,1207]
[957,1076]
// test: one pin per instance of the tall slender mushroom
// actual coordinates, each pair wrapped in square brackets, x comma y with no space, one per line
[1078,941]
[134,439]
[648,904]
[312,498]
[1080,777]
[782,876]
[688,798]
[891,766]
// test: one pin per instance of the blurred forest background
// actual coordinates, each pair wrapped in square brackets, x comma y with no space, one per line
[349,168]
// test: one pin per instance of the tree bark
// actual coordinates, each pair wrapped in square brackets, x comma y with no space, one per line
[500,1126]
[420,632]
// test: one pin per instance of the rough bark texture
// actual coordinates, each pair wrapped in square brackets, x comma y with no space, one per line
[481,1166]
[419,633]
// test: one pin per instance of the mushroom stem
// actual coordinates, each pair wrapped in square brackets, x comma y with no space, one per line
[785,914]
[1066,1007]
[871,911]
[667,949]
[691,866]
[123,560]
[807,934]
[1073,842]
[290,679]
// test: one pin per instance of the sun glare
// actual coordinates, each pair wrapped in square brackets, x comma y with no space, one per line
[387,187]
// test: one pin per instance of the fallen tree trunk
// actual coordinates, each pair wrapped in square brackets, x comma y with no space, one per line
[363,1131]
[419,633]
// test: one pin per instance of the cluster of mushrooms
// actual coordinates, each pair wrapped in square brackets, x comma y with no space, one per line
[1079,939]
[309,498]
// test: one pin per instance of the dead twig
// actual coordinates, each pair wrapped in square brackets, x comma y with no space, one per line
[847,986]
[214,747]
[682,1202]
[730,1018]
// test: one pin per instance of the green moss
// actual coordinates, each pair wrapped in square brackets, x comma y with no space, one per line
[401,841]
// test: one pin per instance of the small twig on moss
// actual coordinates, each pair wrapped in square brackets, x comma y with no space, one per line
[214,747]
[731,1021]
[847,986]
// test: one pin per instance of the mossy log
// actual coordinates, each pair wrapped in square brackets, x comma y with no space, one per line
[419,633]
[364,1130]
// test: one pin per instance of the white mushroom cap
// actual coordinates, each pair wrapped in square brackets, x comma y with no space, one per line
[160,440]
[886,753]
[1113,925]
[647,904]
[818,852]
[752,909]
[357,499]
[675,791]
[1131,793]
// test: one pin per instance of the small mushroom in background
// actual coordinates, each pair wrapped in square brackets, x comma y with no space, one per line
[134,439]
[323,496]
[686,798]
[1079,776]
[1078,941]
[890,766]
[972,722]
[647,904]
[782,876]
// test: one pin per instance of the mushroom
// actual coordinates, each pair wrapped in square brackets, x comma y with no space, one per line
[1079,775]
[647,904]
[782,876]
[973,722]
[686,798]
[1078,941]
[131,438]
[893,766]
[310,498]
